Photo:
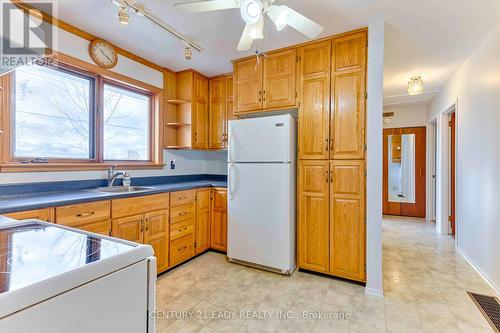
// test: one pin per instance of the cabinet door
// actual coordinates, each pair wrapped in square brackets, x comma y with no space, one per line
[229,106]
[202,228]
[218,225]
[99,227]
[128,228]
[156,234]
[199,105]
[313,224]
[347,226]
[279,79]
[314,104]
[248,85]
[348,92]
[218,116]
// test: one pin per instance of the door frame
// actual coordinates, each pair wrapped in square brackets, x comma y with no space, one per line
[420,205]
[443,173]
[431,170]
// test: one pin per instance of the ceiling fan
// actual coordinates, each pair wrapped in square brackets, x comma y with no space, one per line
[252,12]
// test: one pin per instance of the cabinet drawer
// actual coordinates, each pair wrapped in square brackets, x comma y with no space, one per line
[140,205]
[76,215]
[182,197]
[182,213]
[181,249]
[181,229]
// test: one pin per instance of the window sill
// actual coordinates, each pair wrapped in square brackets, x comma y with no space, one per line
[51,167]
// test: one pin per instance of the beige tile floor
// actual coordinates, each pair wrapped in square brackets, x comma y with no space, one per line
[424,283]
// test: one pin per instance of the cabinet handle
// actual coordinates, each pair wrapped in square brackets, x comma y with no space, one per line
[327,176]
[331,144]
[327,144]
[183,213]
[182,198]
[85,214]
[183,229]
[331,176]
[142,225]
[147,225]
[182,248]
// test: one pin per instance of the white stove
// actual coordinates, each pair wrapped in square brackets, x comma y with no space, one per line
[54,279]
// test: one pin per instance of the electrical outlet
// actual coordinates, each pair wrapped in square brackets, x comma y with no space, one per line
[172,164]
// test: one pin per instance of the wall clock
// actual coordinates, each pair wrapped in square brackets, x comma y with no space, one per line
[103,53]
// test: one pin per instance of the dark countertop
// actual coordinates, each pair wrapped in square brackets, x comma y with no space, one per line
[22,202]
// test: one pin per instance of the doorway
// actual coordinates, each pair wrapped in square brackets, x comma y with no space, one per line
[404,174]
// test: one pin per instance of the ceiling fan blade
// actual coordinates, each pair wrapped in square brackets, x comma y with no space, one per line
[207,5]
[246,39]
[250,33]
[303,24]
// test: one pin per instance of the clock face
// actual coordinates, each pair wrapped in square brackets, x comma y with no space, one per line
[103,53]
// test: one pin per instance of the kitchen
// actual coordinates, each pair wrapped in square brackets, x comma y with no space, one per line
[127,187]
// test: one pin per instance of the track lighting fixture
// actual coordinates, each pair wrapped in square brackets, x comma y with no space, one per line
[123,16]
[188,54]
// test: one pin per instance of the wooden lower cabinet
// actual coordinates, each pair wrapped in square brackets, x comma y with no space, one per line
[129,228]
[156,234]
[331,222]
[218,219]
[181,249]
[313,221]
[202,241]
[44,214]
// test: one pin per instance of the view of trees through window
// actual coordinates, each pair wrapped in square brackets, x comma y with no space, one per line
[55,117]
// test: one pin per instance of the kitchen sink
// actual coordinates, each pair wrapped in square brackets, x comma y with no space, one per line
[121,189]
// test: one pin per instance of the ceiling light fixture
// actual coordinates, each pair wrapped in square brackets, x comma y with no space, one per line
[123,15]
[279,16]
[415,86]
[188,54]
[251,11]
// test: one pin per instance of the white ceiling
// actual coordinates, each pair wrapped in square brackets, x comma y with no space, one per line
[427,37]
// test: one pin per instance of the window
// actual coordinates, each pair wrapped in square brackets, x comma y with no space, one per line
[126,124]
[55,115]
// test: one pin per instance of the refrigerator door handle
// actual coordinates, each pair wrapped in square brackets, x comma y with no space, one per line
[230,184]
[230,145]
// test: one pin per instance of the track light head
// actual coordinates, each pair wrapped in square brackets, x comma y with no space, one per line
[123,15]
[188,53]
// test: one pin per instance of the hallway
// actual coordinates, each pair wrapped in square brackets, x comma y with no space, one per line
[425,285]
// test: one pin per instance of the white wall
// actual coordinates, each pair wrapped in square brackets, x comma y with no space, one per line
[476,86]
[407,115]
[375,83]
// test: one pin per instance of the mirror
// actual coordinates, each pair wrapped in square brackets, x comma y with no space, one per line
[401,168]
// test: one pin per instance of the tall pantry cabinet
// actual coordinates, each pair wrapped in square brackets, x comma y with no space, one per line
[331,171]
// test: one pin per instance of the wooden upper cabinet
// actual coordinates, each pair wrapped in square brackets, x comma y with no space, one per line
[230,98]
[347,226]
[314,104]
[129,228]
[218,113]
[218,218]
[248,85]
[279,79]
[202,228]
[156,231]
[313,221]
[199,105]
[349,97]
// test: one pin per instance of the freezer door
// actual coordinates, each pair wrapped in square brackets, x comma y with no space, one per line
[266,139]
[261,214]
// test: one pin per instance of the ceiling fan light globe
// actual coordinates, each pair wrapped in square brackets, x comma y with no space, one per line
[251,11]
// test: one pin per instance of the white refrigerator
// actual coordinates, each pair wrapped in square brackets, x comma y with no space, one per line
[261,192]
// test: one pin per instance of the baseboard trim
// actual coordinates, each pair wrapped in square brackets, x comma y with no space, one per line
[479,271]
[374,292]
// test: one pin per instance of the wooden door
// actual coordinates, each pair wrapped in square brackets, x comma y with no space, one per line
[452,172]
[218,115]
[156,230]
[202,227]
[279,79]
[313,225]
[248,85]
[314,104]
[347,219]
[349,97]
[417,208]
[218,218]
[199,105]
[129,228]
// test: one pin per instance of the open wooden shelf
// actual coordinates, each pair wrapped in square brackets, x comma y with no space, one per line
[178,101]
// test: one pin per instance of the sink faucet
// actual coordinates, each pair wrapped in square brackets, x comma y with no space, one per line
[113,175]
